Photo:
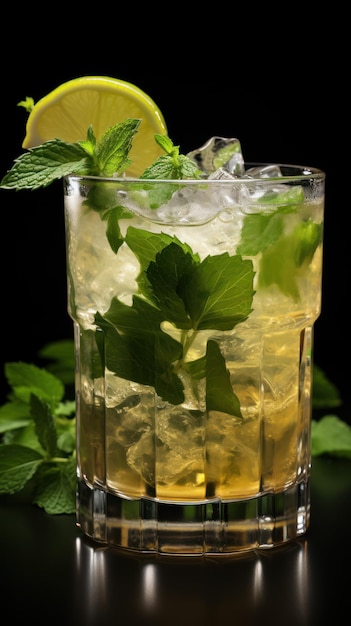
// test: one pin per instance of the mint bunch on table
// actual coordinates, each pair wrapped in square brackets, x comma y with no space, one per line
[38,431]
[42,165]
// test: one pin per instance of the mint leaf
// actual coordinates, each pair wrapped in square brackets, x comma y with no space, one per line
[54,159]
[102,198]
[325,393]
[26,437]
[113,231]
[213,294]
[137,349]
[27,379]
[27,104]
[166,144]
[89,144]
[260,231]
[219,393]
[192,295]
[308,238]
[112,151]
[278,267]
[166,167]
[172,165]
[14,415]
[17,466]
[285,199]
[161,193]
[283,261]
[145,246]
[331,436]
[282,256]
[60,360]
[55,488]
[197,368]
[39,433]
[218,292]
[41,165]
[45,427]
[66,436]
[165,274]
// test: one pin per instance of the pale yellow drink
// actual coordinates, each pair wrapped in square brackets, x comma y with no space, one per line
[205,447]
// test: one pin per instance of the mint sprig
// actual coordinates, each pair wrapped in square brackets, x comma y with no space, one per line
[172,165]
[54,159]
[40,166]
[282,256]
[37,426]
[193,296]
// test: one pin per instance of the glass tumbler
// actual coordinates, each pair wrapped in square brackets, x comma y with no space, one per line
[193,304]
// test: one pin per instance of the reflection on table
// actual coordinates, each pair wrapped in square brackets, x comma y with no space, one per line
[55,575]
[203,588]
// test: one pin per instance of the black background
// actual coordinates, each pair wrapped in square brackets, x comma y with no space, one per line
[288,110]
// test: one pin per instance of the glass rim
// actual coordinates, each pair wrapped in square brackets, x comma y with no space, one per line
[303,172]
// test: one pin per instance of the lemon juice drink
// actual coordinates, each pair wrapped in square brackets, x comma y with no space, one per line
[193,305]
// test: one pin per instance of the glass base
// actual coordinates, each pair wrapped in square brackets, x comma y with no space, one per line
[193,528]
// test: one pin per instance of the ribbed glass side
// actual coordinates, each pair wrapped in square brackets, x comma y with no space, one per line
[214,526]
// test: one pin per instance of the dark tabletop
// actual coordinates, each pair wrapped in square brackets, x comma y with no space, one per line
[51,574]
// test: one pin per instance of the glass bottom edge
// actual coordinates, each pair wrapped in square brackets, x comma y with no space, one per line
[208,527]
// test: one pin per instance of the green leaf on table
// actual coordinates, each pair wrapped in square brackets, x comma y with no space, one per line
[17,466]
[27,379]
[66,441]
[55,488]
[325,393]
[25,436]
[13,415]
[331,436]
[45,426]
[61,359]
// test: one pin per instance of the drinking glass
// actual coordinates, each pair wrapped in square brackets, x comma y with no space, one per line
[193,304]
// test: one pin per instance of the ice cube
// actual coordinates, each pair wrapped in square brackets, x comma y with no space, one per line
[219,152]
[248,194]
[271,193]
[220,174]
